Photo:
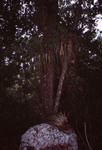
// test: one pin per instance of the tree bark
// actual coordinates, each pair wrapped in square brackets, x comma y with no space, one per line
[46,88]
[46,14]
[78,16]
[47,11]
[59,90]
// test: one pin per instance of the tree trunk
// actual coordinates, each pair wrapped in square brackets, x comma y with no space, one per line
[46,88]
[59,90]
[47,10]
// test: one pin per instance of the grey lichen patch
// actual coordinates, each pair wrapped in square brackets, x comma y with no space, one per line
[46,136]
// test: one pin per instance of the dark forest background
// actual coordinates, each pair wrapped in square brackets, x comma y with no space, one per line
[50,61]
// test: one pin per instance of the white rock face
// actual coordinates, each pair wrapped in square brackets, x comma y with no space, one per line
[45,136]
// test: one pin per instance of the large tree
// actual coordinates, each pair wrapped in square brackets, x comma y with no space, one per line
[57,31]
[48,10]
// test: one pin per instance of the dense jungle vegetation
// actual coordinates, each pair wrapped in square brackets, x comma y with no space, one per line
[50,61]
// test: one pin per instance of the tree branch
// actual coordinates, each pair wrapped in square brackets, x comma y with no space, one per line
[59,90]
